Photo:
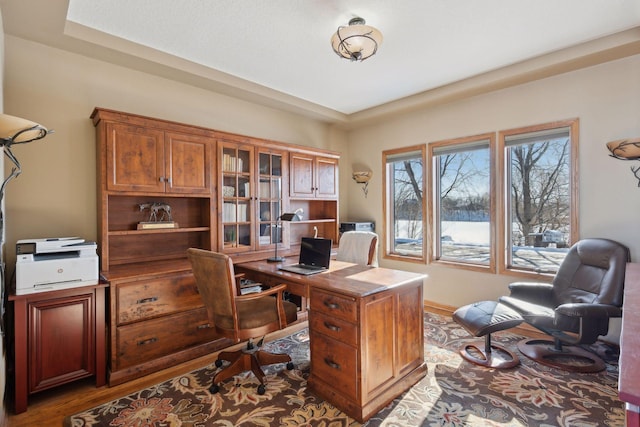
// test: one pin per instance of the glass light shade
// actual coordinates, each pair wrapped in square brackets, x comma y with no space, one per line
[18,130]
[356,41]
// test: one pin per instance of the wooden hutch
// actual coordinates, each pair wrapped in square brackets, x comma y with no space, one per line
[225,193]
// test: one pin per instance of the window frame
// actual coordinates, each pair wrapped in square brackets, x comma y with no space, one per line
[434,202]
[503,212]
[387,203]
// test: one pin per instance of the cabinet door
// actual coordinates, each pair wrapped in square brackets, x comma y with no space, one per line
[135,158]
[237,201]
[61,341]
[302,180]
[271,173]
[326,178]
[188,164]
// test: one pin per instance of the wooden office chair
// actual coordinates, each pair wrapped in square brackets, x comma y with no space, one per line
[359,247]
[240,317]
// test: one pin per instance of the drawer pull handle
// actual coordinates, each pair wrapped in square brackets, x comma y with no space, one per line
[205,326]
[334,328]
[149,341]
[331,363]
[332,305]
[146,300]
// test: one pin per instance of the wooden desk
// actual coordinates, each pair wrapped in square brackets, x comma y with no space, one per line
[629,376]
[366,331]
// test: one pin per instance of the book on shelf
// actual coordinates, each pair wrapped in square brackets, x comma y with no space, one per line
[228,212]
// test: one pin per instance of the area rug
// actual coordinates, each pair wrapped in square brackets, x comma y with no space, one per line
[454,393]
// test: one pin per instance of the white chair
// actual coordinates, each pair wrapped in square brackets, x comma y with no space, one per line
[359,247]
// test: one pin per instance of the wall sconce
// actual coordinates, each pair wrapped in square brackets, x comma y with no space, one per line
[626,149]
[363,178]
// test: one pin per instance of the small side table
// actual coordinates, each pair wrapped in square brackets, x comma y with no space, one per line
[58,337]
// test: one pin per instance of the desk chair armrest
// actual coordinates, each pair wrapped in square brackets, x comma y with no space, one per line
[533,292]
[278,291]
[589,310]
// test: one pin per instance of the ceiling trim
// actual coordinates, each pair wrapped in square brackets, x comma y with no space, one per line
[605,49]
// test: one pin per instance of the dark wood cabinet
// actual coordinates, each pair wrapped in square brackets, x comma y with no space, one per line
[629,383]
[225,193]
[366,349]
[59,337]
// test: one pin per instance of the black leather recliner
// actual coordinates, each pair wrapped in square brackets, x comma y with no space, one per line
[575,308]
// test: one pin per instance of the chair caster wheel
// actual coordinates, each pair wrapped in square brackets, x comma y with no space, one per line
[214,389]
[290,366]
[262,389]
[218,363]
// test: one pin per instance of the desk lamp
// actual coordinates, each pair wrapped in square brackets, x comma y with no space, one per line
[284,217]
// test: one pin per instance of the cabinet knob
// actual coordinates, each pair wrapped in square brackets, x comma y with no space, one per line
[331,305]
[332,327]
[331,363]
[161,179]
[146,300]
[149,341]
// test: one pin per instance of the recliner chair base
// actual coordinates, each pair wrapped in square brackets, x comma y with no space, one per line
[546,353]
[491,356]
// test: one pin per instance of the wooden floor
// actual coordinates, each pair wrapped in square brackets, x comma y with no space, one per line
[49,408]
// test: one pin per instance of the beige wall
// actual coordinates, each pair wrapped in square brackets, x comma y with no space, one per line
[606,98]
[56,193]
[3,285]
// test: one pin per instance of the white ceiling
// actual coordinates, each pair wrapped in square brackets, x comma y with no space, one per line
[281,48]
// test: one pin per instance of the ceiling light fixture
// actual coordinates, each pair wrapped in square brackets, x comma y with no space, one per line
[356,41]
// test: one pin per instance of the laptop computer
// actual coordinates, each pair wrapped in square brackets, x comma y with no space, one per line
[314,257]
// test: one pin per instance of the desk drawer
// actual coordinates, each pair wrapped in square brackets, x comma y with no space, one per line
[334,328]
[333,305]
[335,362]
[160,296]
[145,341]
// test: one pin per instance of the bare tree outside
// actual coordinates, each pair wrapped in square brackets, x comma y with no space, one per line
[540,188]
[406,197]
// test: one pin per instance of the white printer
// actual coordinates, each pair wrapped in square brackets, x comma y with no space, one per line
[57,263]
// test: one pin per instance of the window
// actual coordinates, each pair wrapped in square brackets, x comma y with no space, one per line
[462,207]
[404,203]
[540,195]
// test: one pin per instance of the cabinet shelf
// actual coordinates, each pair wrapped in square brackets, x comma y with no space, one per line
[159,231]
[313,221]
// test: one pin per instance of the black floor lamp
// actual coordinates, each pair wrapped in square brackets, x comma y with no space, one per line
[13,130]
[284,217]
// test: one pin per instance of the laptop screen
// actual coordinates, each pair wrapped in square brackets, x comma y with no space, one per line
[315,252]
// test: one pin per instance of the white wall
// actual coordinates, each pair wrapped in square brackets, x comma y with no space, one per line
[606,99]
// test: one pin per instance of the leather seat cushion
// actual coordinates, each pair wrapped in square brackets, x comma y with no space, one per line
[258,312]
[485,317]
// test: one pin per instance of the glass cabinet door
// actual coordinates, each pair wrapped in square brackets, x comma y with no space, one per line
[236,198]
[269,195]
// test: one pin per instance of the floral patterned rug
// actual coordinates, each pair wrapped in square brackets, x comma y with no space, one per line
[454,393]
